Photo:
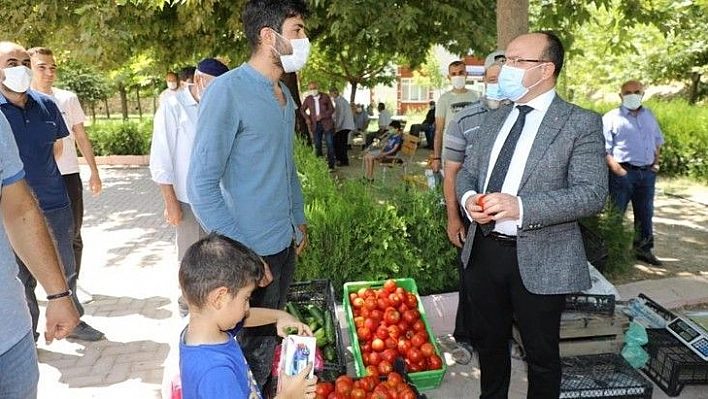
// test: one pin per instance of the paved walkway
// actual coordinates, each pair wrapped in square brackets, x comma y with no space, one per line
[130,268]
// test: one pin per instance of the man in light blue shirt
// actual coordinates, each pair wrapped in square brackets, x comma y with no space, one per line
[633,142]
[242,180]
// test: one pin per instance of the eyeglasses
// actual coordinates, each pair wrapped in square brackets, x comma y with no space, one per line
[514,61]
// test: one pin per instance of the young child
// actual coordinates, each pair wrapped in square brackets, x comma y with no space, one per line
[217,276]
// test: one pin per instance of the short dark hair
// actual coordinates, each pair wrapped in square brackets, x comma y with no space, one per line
[187,73]
[381,106]
[455,64]
[395,124]
[554,51]
[217,261]
[259,14]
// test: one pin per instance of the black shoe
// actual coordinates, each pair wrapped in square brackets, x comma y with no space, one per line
[85,332]
[648,257]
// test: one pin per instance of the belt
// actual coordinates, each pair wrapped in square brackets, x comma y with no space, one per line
[502,237]
[629,166]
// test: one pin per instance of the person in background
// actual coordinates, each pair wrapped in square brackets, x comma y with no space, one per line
[242,179]
[218,276]
[24,229]
[450,103]
[537,167]
[38,128]
[186,76]
[172,87]
[343,124]
[384,122]
[44,74]
[173,134]
[461,131]
[388,152]
[429,126]
[318,111]
[361,121]
[633,141]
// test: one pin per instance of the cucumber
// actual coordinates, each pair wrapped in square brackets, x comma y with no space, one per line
[293,310]
[329,327]
[330,354]
[320,337]
[317,314]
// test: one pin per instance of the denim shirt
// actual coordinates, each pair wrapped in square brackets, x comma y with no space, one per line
[242,180]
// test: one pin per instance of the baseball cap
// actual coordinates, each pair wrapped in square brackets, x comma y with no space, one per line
[493,58]
[212,66]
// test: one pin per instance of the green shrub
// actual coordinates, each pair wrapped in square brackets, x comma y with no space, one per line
[121,137]
[357,233]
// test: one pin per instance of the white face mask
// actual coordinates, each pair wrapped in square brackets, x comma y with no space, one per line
[632,101]
[18,79]
[172,85]
[300,53]
[458,82]
[313,93]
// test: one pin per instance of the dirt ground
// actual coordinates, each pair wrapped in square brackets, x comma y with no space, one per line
[680,220]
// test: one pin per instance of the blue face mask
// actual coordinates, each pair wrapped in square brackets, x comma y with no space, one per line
[511,82]
[493,92]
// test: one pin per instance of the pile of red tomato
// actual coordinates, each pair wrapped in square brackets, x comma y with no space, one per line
[366,387]
[388,325]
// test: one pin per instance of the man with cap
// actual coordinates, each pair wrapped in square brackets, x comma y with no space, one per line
[459,135]
[172,140]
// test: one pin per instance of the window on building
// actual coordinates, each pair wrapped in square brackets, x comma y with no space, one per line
[411,92]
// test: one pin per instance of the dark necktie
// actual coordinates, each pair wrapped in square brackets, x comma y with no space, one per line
[501,166]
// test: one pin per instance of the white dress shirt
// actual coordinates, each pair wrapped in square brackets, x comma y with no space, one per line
[172,139]
[512,181]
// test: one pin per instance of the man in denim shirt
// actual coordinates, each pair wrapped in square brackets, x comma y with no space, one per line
[242,180]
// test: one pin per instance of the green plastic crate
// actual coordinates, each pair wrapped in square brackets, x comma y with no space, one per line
[422,380]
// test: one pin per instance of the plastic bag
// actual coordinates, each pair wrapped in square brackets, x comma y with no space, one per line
[634,338]
[636,335]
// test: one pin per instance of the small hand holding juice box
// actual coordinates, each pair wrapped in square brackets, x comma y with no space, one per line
[296,352]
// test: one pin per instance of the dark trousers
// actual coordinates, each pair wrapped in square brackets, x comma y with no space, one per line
[497,292]
[75,189]
[636,186]
[329,139]
[340,146]
[258,343]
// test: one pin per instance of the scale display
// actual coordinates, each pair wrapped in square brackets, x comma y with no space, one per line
[692,336]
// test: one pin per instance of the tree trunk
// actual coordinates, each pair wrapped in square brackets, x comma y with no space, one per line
[512,20]
[693,91]
[352,97]
[140,107]
[290,80]
[123,100]
[108,112]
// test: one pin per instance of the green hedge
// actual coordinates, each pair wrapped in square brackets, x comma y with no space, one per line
[361,232]
[118,137]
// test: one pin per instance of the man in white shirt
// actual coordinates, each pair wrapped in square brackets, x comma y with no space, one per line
[43,76]
[343,124]
[172,139]
[173,87]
